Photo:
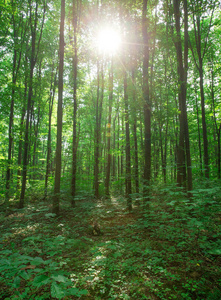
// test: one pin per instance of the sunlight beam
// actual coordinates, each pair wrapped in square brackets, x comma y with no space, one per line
[108,41]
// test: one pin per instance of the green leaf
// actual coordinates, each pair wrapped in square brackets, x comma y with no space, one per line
[60,278]
[37,261]
[77,292]
[83,292]
[24,275]
[215,252]
[56,291]
[16,283]
[41,280]
[50,215]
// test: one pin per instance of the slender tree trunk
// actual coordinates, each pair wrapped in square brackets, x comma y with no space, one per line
[75,73]
[200,68]
[10,133]
[201,50]
[186,128]
[217,128]
[183,156]
[33,60]
[56,196]
[99,104]
[96,146]
[136,164]
[21,131]
[128,160]
[15,68]
[26,142]
[34,160]
[219,154]
[51,102]
[141,133]
[20,147]
[122,174]
[199,137]
[114,145]
[205,139]
[147,106]
[108,168]
[118,145]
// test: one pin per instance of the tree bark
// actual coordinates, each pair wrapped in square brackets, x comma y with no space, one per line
[99,104]
[136,164]
[15,69]
[147,106]
[183,156]
[56,196]
[108,167]
[51,102]
[34,56]
[128,160]
[199,137]
[201,50]
[75,74]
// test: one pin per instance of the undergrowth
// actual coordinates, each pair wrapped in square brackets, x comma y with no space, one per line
[171,251]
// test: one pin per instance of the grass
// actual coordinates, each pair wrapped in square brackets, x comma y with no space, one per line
[172,251]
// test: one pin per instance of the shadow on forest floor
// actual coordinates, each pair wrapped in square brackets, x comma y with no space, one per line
[172,251]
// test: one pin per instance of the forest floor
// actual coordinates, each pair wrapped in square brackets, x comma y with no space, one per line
[171,251]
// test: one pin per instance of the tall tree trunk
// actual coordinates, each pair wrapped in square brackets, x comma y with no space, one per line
[217,127]
[199,137]
[51,102]
[136,165]
[20,147]
[147,106]
[114,145]
[122,174]
[205,139]
[10,133]
[56,196]
[99,104]
[186,128]
[108,168]
[26,142]
[34,56]
[118,145]
[15,68]
[201,50]
[128,160]
[183,156]
[96,146]
[219,152]
[75,73]
[22,130]
[34,160]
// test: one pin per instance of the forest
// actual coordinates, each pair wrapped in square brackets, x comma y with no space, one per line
[110,121]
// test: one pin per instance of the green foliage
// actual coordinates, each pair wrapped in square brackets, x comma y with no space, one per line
[34,276]
[171,251]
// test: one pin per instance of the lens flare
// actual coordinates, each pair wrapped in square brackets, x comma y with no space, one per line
[108,41]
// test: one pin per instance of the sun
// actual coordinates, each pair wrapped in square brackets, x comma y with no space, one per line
[108,41]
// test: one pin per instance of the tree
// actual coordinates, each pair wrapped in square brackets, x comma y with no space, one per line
[35,43]
[108,167]
[182,66]
[201,43]
[50,106]
[75,20]
[147,104]
[19,32]
[56,196]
